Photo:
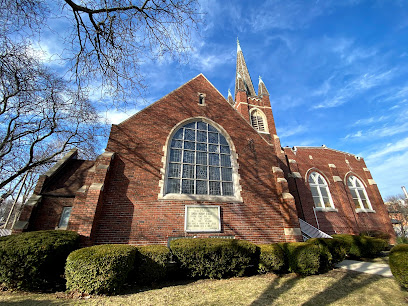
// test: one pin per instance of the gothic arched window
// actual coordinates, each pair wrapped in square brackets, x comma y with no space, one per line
[199,162]
[320,191]
[358,193]
[258,120]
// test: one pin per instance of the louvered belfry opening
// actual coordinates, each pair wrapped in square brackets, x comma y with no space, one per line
[257,121]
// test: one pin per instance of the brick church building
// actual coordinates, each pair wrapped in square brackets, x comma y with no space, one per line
[194,164]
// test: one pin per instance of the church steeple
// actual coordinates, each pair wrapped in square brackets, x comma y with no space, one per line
[262,88]
[254,108]
[242,75]
[230,98]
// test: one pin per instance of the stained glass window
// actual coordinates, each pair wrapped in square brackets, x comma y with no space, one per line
[199,161]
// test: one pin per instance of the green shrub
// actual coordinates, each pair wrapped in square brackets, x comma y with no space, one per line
[399,264]
[215,257]
[4,238]
[337,248]
[306,258]
[35,260]
[363,246]
[402,240]
[271,258]
[376,234]
[99,269]
[151,264]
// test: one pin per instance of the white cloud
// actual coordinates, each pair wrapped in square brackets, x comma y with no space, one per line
[290,130]
[390,148]
[210,62]
[384,131]
[340,94]
[390,173]
[355,135]
[116,117]
[371,120]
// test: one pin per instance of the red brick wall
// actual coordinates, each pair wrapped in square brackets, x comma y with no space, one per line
[345,220]
[131,211]
[46,215]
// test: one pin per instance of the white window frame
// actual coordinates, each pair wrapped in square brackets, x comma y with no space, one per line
[353,180]
[163,195]
[260,116]
[314,176]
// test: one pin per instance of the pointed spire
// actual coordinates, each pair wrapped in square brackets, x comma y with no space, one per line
[242,71]
[230,98]
[262,88]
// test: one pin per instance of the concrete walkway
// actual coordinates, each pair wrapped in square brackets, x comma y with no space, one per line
[366,267]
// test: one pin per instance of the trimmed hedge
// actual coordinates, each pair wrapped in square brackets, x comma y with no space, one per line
[337,248]
[377,234]
[151,264]
[306,258]
[100,269]
[35,260]
[271,258]
[399,264]
[363,246]
[215,257]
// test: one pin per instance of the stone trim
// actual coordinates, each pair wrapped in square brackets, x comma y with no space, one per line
[276,169]
[295,175]
[293,231]
[363,210]
[61,162]
[326,209]
[337,178]
[96,186]
[287,196]
[366,169]
[372,182]
[332,166]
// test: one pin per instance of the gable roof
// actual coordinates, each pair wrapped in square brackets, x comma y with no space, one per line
[170,93]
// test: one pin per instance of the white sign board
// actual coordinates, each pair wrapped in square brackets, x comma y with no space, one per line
[200,218]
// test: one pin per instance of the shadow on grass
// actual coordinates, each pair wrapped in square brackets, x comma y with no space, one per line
[30,301]
[275,289]
[136,288]
[349,282]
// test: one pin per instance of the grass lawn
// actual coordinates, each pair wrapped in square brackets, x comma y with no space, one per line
[337,287]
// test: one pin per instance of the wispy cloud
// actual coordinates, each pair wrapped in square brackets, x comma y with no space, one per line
[384,131]
[390,148]
[393,158]
[340,94]
[291,131]
[371,120]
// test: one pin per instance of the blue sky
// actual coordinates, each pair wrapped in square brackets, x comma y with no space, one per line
[336,72]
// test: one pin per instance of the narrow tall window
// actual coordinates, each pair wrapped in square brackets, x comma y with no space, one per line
[320,191]
[358,193]
[199,162]
[66,213]
[257,120]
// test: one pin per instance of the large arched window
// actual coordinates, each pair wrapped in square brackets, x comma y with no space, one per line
[359,194]
[199,162]
[258,120]
[320,191]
